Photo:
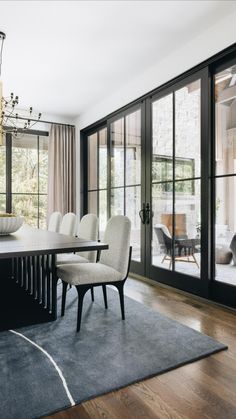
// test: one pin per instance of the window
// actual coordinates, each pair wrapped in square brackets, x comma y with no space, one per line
[97,177]
[225,174]
[114,182]
[176,184]
[185,193]
[26,194]
[184,168]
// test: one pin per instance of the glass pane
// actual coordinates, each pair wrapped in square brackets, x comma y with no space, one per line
[92,161]
[225,121]
[117,153]
[188,227]
[26,205]
[133,205]
[2,203]
[102,213]
[162,139]
[162,206]
[25,164]
[103,159]
[3,167]
[43,202]
[93,203]
[43,165]
[225,228]
[117,201]
[133,148]
[188,130]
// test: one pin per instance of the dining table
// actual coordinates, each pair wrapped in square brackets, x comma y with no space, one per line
[28,274]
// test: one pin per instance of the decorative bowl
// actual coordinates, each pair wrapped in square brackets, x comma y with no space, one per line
[10,223]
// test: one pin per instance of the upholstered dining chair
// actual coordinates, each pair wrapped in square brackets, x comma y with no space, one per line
[87,229]
[68,224]
[112,269]
[54,222]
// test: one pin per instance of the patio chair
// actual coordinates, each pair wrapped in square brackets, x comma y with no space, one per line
[184,249]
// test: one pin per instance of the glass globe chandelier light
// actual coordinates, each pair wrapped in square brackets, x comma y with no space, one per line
[11,118]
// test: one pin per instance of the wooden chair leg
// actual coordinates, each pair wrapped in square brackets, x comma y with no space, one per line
[120,288]
[163,259]
[63,301]
[81,293]
[105,295]
[92,293]
[195,260]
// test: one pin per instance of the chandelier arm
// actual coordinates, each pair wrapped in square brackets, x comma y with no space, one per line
[24,118]
[7,117]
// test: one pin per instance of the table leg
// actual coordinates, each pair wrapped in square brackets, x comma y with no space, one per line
[54,287]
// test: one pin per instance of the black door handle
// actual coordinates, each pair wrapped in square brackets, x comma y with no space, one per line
[148,213]
[142,214]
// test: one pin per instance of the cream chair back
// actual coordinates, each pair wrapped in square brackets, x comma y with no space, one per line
[88,229]
[54,222]
[68,224]
[117,236]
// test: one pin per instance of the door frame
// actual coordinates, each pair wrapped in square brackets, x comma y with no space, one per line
[136,267]
[220,292]
[180,280]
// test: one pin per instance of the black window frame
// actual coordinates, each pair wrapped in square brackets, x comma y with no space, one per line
[178,161]
[9,194]
[206,287]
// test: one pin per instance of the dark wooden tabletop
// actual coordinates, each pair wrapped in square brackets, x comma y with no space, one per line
[29,241]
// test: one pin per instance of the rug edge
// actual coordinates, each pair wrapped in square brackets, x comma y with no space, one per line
[181,364]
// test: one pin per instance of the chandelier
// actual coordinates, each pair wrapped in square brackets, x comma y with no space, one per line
[12,119]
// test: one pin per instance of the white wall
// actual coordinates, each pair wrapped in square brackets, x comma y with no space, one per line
[208,43]
[195,51]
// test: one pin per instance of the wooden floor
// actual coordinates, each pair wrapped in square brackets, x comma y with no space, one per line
[203,389]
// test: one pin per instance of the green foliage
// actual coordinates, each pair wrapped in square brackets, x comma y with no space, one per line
[29,179]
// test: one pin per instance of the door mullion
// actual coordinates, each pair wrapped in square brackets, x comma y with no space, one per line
[173,185]
[147,179]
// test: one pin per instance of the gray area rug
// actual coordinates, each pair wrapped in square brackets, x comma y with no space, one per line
[49,367]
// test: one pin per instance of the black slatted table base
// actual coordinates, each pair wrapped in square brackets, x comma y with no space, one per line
[37,276]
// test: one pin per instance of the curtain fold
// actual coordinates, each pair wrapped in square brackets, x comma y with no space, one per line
[61,169]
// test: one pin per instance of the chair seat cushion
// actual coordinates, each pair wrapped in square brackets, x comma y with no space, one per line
[68,258]
[87,273]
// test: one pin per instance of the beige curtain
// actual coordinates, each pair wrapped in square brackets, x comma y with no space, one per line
[61,169]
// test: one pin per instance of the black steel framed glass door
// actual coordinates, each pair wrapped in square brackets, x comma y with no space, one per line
[116,176]
[169,163]
[223,279]
[174,185]
[127,176]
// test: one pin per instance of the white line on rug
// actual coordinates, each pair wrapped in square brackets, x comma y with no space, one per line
[72,402]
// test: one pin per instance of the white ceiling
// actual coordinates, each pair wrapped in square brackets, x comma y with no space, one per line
[62,57]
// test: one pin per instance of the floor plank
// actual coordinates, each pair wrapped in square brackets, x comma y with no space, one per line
[203,389]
